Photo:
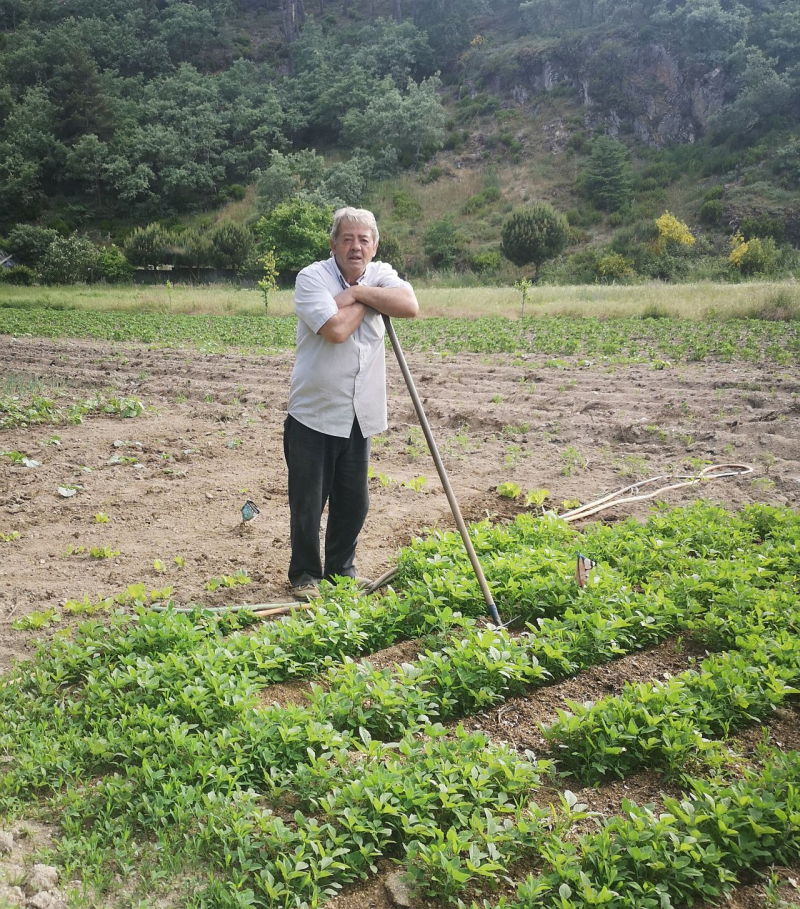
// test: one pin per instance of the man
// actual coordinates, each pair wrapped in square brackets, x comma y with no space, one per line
[337,398]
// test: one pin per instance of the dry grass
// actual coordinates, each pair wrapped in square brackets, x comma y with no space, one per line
[677,301]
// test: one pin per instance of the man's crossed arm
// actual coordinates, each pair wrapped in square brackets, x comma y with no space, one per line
[353,302]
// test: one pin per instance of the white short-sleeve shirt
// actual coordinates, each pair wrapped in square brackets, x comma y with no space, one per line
[333,383]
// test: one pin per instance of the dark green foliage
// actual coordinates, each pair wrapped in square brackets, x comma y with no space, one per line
[148,247]
[112,266]
[231,244]
[19,274]
[389,250]
[193,249]
[405,205]
[444,243]
[487,262]
[29,243]
[531,236]
[764,226]
[607,179]
[711,212]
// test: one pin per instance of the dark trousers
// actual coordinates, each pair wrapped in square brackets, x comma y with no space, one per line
[322,469]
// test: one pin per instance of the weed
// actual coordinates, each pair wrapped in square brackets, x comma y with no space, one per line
[572,460]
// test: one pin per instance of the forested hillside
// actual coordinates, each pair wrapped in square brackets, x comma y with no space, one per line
[224,124]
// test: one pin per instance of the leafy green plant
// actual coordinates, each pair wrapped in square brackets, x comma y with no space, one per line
[103,552]
[228,580]
[10,536]
[509,490]
[36,620]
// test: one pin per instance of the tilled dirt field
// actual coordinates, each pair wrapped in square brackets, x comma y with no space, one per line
[211,438]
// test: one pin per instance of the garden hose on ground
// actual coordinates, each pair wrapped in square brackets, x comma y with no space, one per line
[711,472]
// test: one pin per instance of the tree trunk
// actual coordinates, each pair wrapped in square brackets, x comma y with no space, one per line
[345,7]
[398,12]
[322,7]
[415,12]
[291,13]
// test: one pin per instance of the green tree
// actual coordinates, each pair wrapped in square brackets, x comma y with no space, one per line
[531,236]
[148,246]
[412,123]
[231,245]
[607,179]
[297,231]
[194,250]
[29,243]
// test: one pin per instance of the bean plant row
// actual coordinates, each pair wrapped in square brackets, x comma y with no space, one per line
[156,740]
[660,341]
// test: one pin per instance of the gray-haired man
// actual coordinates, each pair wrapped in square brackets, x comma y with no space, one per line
[337,398]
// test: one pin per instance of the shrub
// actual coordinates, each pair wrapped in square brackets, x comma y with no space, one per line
[715,192]
[473,205]
[753,257]
[614,267]
[19,274]
[487,262]
[112,266]
[405,205]
[764,226]
[29,243]
[673,232]
[444,243]
[711,212]
[69,260]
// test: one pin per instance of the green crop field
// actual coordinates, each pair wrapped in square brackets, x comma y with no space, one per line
[209,759]
[147,736]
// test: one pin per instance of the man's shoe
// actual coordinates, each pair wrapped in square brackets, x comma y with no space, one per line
[306,592]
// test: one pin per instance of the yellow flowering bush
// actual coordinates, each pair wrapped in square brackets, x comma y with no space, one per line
[673,232]
[752,257]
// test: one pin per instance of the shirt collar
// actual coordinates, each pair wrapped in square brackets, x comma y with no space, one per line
[342,280]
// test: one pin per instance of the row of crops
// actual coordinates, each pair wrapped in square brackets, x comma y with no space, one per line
[154,740]
[622,339]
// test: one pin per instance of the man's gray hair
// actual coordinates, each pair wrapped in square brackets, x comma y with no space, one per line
[354,216]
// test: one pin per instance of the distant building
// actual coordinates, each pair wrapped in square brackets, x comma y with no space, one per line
[7,260]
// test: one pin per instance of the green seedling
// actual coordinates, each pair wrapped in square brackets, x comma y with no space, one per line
[35,621]
[535,498]
[9,537]
[101,518]
[509,490]
[103,552]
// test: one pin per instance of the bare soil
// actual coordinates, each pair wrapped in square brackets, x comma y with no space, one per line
[211,438]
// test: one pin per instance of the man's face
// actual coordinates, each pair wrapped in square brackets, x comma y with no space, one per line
[353,249]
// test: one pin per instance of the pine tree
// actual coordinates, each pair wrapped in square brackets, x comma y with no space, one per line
[607,178]
[533,235]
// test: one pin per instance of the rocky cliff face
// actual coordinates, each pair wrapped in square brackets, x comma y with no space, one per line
[662,104]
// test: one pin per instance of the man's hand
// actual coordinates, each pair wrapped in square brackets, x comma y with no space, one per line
[346,298]
[397,302]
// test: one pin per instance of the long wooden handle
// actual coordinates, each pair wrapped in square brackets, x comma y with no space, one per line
[426,429]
